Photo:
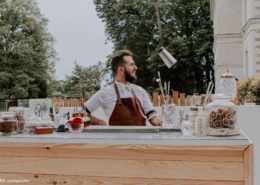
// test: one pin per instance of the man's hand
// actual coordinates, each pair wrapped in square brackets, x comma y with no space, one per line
[96,121]
[156,121]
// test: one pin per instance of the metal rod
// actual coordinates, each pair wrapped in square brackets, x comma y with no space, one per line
[160,84]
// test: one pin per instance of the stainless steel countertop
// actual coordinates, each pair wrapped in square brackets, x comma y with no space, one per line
[161,138]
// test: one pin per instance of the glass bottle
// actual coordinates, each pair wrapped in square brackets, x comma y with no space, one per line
[201,124]
[185,126]
[192,117]
[63,120]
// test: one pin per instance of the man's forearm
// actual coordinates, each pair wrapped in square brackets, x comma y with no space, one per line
[96,121]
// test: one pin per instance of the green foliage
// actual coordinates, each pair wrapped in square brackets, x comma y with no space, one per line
[27,57]
[249,90]
[55,86]
[187,34]
[85,80]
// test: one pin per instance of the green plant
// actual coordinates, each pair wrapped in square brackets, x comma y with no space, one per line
[249,89]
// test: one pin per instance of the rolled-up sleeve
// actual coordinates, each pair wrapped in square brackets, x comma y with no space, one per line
[148,107]
[96,101]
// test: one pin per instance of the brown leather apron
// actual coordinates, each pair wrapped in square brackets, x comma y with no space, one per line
[126,112]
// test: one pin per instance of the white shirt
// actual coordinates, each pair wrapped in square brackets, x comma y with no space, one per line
[106,98]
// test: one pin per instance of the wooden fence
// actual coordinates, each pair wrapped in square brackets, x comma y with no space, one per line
[177,98]
[74,102]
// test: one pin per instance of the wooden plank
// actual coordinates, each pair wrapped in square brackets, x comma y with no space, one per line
[182,99]
[170,99]
[188,99]
[75,102]
[232,171]
[41,179]
[249,165]
[175,97]
[155,99]
[71,102]
[65,102]
[161,100]
[81,101]
[125,146]
[108,153]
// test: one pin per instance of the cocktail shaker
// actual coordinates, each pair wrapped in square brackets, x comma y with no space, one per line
[168,59]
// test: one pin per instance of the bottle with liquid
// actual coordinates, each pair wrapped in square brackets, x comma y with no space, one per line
[185,126]
[201,124]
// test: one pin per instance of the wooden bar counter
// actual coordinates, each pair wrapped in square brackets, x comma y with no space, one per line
[127,158]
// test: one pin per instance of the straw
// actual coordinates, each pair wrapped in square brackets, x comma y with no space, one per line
[205,99]
[210,92]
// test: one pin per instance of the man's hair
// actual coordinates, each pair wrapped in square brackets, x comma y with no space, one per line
[117,60]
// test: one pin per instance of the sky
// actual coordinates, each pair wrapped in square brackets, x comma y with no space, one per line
[80,34]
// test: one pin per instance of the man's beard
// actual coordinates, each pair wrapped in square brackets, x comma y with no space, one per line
[128,77]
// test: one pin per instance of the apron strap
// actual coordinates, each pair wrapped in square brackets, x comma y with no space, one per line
[117,94]
[137,103]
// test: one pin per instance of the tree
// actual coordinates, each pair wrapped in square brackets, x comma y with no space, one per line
[85,80]
[182,27]
[27,56]
[55,86]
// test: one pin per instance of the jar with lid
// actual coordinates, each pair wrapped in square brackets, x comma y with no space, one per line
[7,115]
[228,84]
[221,112]
[192,117]
[19,115]
[8,127]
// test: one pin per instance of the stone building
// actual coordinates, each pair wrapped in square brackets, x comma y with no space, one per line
[236,37]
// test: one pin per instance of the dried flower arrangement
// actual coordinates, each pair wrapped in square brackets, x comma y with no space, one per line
[249,90]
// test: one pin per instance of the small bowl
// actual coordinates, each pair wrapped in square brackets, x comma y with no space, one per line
[77,129]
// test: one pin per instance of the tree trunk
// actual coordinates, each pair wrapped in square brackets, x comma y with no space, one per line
[156,4]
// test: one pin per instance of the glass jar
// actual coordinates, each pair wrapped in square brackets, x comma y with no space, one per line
[192,117]
[46,121]
[7,115]
[33,122]
[76,128]
[170,116]
[9,127]
[221,112]
[19,115]
[228,84]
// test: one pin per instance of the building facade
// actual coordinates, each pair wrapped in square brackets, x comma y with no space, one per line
[236,37]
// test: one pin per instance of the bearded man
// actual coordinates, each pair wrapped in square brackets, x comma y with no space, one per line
[124,103]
